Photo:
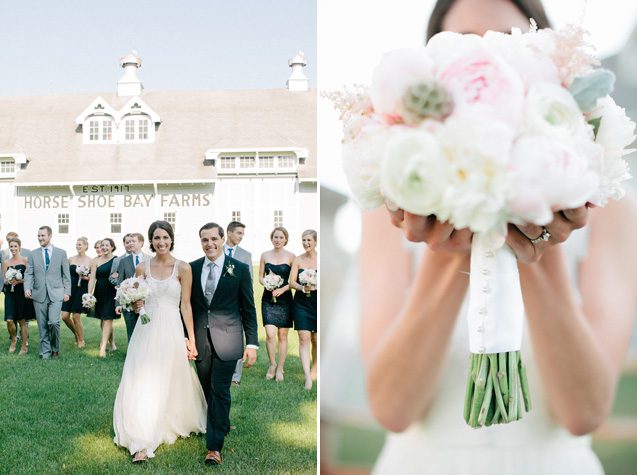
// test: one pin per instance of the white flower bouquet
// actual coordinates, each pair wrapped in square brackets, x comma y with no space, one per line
[132,290]
[271,282]
[12,275]
[88,301]
[481,132]
[308,277]
[82,271]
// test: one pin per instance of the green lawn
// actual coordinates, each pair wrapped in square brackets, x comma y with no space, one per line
[56,416]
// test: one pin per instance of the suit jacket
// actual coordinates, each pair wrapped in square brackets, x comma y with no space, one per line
[230,313]
[244,256]
[54,282]
[125,267]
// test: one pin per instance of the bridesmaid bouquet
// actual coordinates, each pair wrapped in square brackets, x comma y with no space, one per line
[88,301]
[481,132]
[13,274]
[132,290]
[272,281]
[308,277]
[82,271]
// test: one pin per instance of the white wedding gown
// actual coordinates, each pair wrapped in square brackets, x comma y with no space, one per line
[159,397]
[443,444]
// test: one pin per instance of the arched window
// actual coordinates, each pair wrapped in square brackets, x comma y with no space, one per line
[136,128]
[98,129]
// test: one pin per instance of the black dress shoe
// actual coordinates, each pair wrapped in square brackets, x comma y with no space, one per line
[55,354]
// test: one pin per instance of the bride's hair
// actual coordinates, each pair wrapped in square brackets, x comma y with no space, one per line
[529,8]
[165,225]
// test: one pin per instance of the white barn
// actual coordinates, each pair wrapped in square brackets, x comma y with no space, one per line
[102,165]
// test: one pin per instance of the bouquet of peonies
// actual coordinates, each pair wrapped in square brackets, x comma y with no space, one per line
[481,132]
[13,274]
[272,281]
[82,271]
[308,277]
[132,290]
[88,301]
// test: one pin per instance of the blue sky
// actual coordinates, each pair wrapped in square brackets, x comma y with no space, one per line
[73,46]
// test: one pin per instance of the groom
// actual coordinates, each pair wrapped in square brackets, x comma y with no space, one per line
[47,281]
[223,309]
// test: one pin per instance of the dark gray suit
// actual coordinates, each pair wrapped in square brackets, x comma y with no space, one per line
[126,269]
[48,288]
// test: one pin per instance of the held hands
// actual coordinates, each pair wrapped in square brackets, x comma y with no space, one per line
[27,294]
[191,347]
[250,354]
[522,239]
[66,298]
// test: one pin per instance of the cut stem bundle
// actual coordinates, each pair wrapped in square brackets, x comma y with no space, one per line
[497,387]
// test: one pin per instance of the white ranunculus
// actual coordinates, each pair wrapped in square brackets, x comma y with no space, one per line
[530,61]
[551,110]
[478,150]
[361,163]
[549,174]
[398,70]
[414,171]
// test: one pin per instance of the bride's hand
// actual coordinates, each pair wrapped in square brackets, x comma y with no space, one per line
[138,305]
[520,238]
[438,236]
[192,350]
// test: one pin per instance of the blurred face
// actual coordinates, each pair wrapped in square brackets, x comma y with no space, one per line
[80,246]
[235,237]
[211,243]
[106,247]
[161,241]
[135,245]
[309,244]
[278,239]
[98,248]
[128,244]
[14,247]
[478,16]
[44,238]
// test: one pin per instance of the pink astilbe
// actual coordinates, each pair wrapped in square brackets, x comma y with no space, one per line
[573,55]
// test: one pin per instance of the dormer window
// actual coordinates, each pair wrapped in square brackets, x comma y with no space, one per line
[7,167]
[137,128]
[100,129]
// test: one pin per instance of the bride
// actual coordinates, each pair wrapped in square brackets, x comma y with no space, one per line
[579,302]
[159,397]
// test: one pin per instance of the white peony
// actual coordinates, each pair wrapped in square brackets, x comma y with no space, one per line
[551,110]
[445,47]
[549,175]
[478,150]
[414,171]
[398,70]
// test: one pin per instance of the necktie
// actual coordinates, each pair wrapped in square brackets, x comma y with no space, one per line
[210,283]
[230,251]
[136,261]
[47,260]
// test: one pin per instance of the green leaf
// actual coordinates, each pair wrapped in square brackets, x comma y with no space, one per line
[587,89]
[596,122]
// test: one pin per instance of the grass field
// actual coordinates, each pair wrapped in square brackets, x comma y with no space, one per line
[56,416]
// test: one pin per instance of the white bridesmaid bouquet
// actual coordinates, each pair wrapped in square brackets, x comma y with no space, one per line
[11,275]
[481,132]
[88,301]
[271,282]
[82,271]
[308,277]
[132,290]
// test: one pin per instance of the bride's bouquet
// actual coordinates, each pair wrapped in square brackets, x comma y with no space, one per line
[308,277]
[271,282]
[88,301]
[132,290]
[12,274]
[82,271]
[481,132]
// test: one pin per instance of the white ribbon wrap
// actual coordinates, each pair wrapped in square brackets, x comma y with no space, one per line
[496,310]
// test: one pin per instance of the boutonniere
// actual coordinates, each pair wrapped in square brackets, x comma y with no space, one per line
[229,270]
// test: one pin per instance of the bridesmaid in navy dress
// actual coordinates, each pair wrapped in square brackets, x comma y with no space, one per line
[16,307]
[79,287]
[277,316]
[104,292]
[305,305]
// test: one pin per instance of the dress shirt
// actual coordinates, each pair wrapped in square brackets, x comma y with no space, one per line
[49,248]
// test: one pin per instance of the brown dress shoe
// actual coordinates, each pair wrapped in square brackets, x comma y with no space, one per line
[213,457]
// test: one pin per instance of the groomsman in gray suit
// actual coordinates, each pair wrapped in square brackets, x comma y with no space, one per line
[127,246]
[126,269]
[234,235]
[47,281]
